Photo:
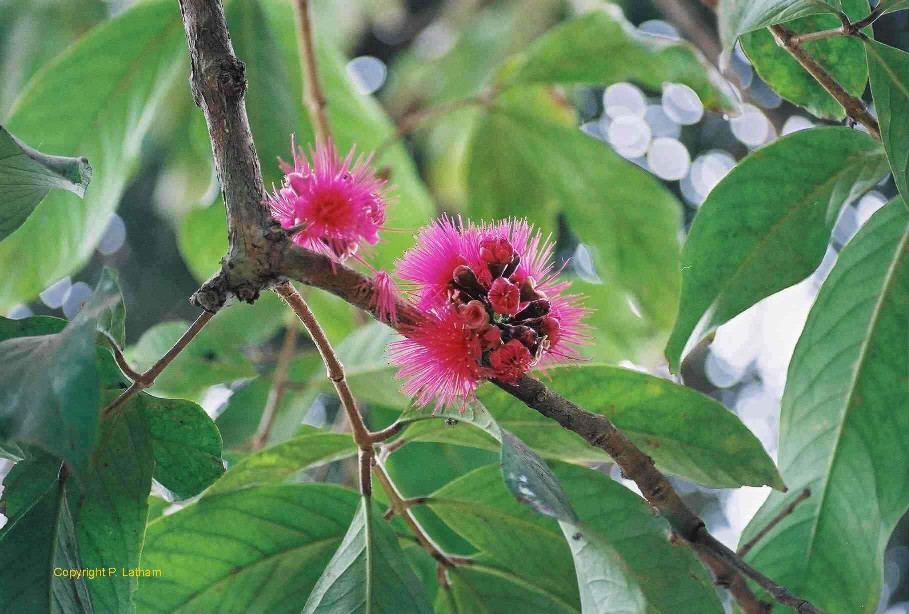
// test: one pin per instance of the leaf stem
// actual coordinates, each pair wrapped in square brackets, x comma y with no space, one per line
[278,387]
[146,379]
[313,96]
[745,548]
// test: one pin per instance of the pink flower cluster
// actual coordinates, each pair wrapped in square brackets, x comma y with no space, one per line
[335,203]
[493,309]
[491,305]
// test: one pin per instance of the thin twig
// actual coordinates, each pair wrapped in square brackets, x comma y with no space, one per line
[846,29]
[745,548]
[854,107]
[361,434]
[278,387]
[313,95]
[386,433]
[400,508]
[128,371]
[146,379]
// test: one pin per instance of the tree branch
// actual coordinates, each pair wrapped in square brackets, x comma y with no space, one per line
[278,259]
[854,107]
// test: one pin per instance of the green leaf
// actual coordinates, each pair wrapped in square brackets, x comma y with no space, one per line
[112,511]
[186,444]
[687,434]
[602,47]
[841,56]
[26,482]
[27,175]
[889,70]
[514,541]
[206,360]
[736,17]
[844,423]
[49,384]
[492,591]
[526,475]
[748,242]
[368,572]
[202,239]
[41,539]
[277,463]
[251,550]
[889,6]
[143,49]
[521,162]
[623,553]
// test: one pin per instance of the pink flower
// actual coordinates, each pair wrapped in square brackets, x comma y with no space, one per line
[486,315]
[504,296]
[337,203]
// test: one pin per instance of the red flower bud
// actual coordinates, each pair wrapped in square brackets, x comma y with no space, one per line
[496,250]
[474,314]
[510,361]
[504,296]
[529,291]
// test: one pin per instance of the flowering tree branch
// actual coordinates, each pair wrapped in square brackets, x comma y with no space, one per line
[267,259]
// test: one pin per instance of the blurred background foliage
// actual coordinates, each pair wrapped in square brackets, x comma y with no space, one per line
[383,62]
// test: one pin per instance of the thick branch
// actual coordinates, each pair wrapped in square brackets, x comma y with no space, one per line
[218,83]
[854,107]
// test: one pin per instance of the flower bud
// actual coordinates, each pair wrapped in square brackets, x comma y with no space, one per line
[529,291]
[474,314]
[551,328]
[496,250]
[534,309]
[491,338]
[504,296]
[465,279]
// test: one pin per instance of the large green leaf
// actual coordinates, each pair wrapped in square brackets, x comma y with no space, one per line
[207,360]
[602,47]
[492,591]
[41,539]
[277,463]
[736,17]
[368,573]
[186,444]
[686,433]
[515,543]
[748,241]
[27,175]
[50,385]
[522,163]
[844,424]
[888,6]
[841,56]
[526,475]
[623,555]
[252,550]
[128,61]
[889,70]
[111,513]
